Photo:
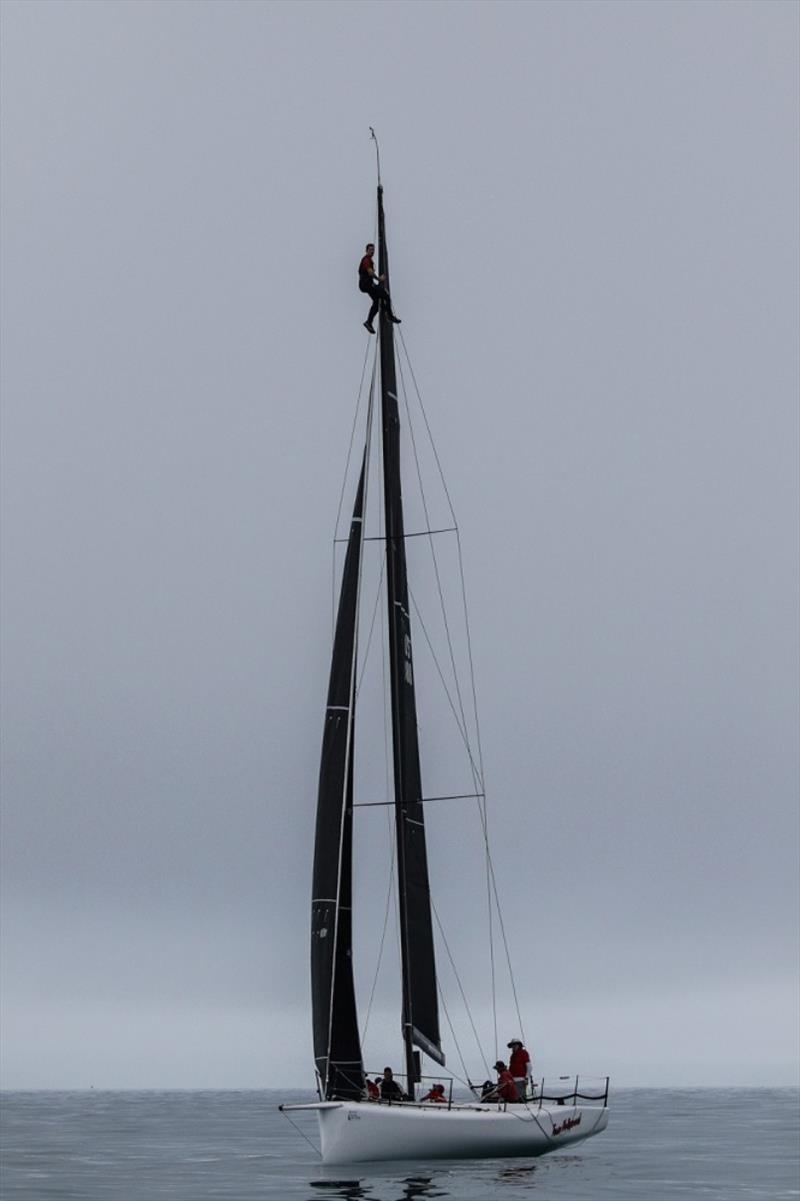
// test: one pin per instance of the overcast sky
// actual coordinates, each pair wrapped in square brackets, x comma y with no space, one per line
[594,237]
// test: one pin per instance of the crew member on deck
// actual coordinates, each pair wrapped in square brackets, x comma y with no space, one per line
[505,1089]
[372,284]
[436,1093]
[390,1089]
[373,1089]
[519,1065]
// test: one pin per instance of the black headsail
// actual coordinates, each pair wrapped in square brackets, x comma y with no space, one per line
[337,1047]
[420,1005]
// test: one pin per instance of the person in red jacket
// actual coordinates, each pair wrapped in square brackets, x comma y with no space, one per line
[436,1094]
[373,285]
[505,1089]
[519,1065]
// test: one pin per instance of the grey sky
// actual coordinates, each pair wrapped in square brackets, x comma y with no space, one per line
[593,228]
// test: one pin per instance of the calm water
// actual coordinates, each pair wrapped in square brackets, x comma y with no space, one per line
[661,1145]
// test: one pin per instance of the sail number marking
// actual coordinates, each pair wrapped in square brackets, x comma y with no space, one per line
[409,674]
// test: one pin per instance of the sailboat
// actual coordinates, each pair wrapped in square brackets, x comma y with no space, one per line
[352,1128]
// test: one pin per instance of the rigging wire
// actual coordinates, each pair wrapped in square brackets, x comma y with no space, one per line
[437,665]
[458,540]
[481,808]
[491,881]
[349,738]
[387,769]
[460,555]
[365,656]
[433,550]
[428,428]
[481,1051]
[387,908]
[477,777]
[353,431]
[378,594]
[457,706]
[301,1132]
[387,714]
[482,816]
[465,1078]
[344,479]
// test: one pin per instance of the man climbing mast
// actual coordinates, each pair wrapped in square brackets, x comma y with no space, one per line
[372,284]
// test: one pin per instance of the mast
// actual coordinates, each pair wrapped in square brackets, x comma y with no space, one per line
[420,1016]
[337,1046]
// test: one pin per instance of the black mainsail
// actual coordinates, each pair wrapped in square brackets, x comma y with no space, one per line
[420,1003]
[337,1046]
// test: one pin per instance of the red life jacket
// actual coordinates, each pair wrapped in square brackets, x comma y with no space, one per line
[518,1064]
[506,1088]
[365,276]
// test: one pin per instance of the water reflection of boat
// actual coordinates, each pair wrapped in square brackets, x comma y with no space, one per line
[415,1188]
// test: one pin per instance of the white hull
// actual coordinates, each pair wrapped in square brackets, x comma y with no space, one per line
[358,1132]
